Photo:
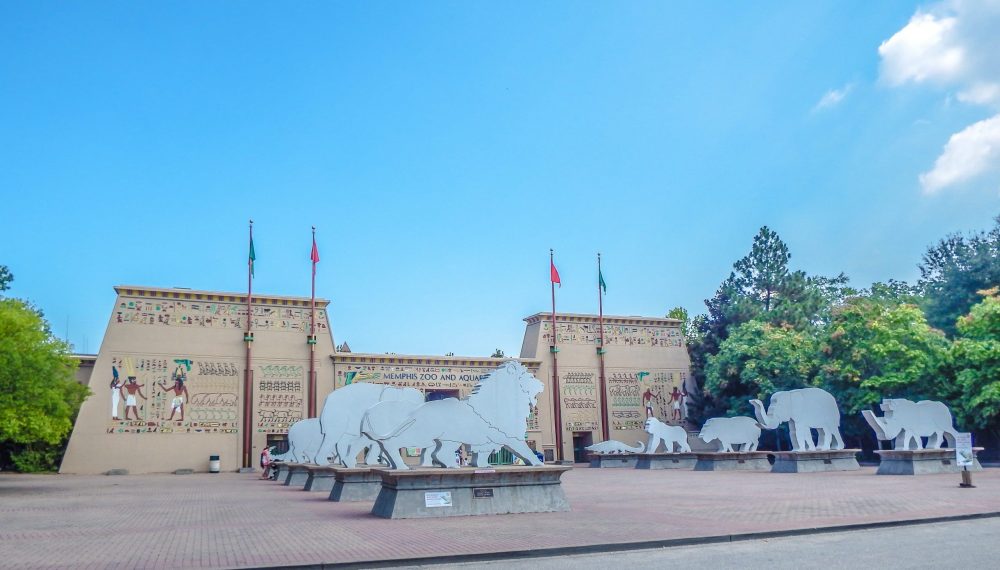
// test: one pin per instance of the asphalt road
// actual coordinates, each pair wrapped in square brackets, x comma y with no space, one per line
[964,544]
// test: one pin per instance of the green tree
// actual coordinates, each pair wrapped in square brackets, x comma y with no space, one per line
[761,287]
[976,358]
[879,347]
[39,395]
[756,360]
[954,270]
[5,278]
[681,314]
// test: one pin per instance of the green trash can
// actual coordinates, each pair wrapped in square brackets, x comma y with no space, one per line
[214,465]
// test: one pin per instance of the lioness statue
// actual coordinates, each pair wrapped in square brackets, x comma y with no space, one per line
[669,436]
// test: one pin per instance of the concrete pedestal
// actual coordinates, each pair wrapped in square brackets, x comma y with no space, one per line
[440,492]
[356,484]
[815,461]
[297,475]
[626,460]
[665,460]
[733,461]
[279,470]
[320,478]
[922,461]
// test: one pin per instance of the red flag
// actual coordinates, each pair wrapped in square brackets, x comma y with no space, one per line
[314,256]
[554,274]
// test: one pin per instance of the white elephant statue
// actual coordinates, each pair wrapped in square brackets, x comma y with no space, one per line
[738,431]
[304,439]
[669,436]
[804,409]
[340,420]
[907,422]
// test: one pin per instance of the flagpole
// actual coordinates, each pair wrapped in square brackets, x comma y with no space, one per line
[248,375]
[605,428]
[312,333]
[554,348]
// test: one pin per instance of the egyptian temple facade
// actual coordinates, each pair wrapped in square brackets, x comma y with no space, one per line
[171,385]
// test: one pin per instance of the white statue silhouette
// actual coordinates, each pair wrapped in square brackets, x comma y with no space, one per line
[493,416]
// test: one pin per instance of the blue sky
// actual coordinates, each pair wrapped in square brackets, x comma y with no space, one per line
[441,149]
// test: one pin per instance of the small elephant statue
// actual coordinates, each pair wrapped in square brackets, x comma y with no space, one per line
[739,431]
[804,409]
[907,422]
[669,436]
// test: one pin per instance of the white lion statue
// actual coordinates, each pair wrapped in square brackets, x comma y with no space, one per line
[669,436]
[495,415]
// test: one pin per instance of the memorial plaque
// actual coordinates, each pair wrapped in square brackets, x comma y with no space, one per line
[437,499]
[963,450]
[482,493]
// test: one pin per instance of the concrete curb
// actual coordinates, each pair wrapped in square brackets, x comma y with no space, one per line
[626,546]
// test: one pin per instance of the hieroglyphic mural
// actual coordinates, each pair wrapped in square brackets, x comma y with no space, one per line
[614,335]
[173,312]
[175,394]
[578,389]
[281,395]
[634,395]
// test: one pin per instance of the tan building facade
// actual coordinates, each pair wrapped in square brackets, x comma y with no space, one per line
[644,369]
[156,337]
[170,383]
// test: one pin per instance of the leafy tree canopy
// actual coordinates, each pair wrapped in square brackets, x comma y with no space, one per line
[5,278]
[757,360]
[39,396]
[875,348]
[954,270]
[976,358]
[760,288]
[681,314]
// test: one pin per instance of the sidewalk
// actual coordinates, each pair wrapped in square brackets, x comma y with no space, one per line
[232,520]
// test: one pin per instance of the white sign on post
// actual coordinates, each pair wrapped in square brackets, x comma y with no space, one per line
[963,450]
[437,499]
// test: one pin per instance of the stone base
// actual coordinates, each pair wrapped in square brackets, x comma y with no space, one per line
[733,461]
[922,461]
[297,475]
[684,460]
[626,460]
[279,471]
[320,478]
[815,461]
[440,492]
[356,484]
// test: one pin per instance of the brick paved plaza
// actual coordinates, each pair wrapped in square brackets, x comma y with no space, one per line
[232,520]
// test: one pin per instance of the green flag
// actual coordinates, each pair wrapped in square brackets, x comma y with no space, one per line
[600,281]
[253,257]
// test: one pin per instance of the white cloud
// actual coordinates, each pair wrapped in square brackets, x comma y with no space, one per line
[925,49]
[981,94]
[833,97]
[955,45]
[970,153]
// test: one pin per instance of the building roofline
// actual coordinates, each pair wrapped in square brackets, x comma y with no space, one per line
[366,358]
[608,319]
[221,296]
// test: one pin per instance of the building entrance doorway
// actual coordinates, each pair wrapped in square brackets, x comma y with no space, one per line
[279,443]
[581,440]
[434,395]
